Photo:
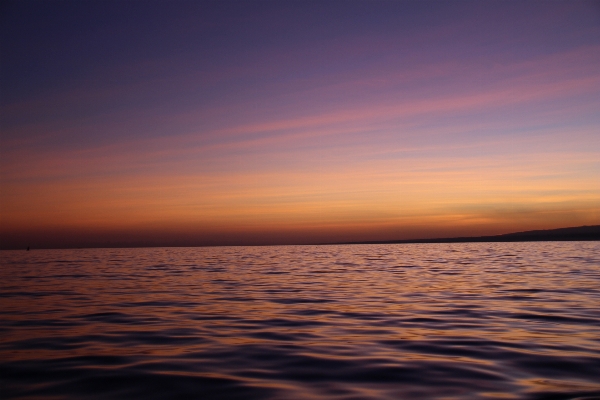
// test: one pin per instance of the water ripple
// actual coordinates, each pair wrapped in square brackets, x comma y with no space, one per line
[435,321]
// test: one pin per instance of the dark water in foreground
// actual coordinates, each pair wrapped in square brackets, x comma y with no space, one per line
[432,321]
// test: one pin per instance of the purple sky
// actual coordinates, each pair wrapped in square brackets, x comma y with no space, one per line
[255,122]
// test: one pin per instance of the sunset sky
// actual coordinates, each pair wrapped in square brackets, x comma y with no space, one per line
[273,122]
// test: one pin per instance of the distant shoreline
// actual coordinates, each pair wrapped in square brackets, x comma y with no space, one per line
[579,233]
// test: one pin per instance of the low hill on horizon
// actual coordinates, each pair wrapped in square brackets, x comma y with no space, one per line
[587,232]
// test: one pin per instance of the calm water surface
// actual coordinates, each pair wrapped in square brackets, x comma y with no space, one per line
[414,321]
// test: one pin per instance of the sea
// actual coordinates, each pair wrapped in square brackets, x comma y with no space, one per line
[373,321]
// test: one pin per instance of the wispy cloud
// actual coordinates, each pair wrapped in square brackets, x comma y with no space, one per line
[371,131]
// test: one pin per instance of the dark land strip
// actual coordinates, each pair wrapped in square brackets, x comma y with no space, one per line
[579,233]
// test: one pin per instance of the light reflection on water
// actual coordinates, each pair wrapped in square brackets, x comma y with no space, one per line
[481,320]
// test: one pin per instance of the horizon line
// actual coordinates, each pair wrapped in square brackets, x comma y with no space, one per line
[577,233]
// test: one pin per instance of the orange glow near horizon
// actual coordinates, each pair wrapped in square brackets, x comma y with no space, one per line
[378,132]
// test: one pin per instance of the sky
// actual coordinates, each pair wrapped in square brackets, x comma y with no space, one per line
[184,123]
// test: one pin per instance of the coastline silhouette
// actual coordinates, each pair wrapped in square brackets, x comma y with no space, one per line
[588,232]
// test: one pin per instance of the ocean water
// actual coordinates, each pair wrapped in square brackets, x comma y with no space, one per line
[401,321]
